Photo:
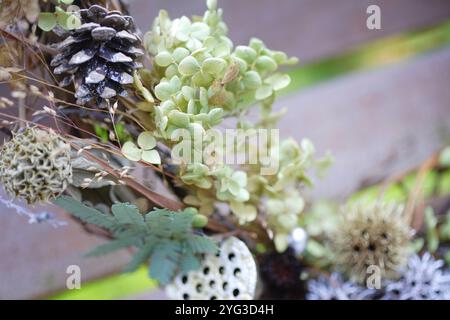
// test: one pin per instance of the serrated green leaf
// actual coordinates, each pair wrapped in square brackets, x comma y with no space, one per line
[126,213]
[182,224]
[85,213]
[163,236]
[142,255]
[112,246]
[164,261]
[201,244]
[189,262]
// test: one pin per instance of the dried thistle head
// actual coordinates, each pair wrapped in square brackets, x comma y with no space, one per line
[424,278]
[35,165]
[375,235]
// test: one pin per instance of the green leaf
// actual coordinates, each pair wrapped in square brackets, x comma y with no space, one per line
[151,156]
[263,92]
[164,261]
[68,21]
[189,262]
[213,66]
[278,81]
[142,255]
[265,63]
[131,151]
[146,140]
[128,214]
[85,213]
[188,66]
[252,80]
[179,119]
[66,1]
[163,59]
[163,236]
[163,91]
[182,224]
[201,244]
[46,21]
[112,246]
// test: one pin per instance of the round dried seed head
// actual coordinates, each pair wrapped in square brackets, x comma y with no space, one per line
[375,235]
[35,165]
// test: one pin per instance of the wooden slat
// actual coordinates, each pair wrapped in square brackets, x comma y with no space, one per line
[375,123]
[309,29]
[35,257]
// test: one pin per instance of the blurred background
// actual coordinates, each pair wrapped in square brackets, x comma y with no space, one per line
[378,100]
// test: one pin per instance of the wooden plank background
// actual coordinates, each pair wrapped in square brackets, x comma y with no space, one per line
[309,29]
[375,122]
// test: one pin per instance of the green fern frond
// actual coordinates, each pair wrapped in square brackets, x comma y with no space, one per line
[162,237]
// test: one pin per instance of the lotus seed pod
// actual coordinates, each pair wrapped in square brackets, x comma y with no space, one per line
[231,274]
[35,165]
[369,236]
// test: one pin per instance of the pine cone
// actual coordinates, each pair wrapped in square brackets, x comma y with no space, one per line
[99,56]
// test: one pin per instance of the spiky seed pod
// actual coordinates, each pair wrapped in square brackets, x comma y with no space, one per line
[375,235]
[231,274]
[335,288]
[35,165]
[281,273]
[423,279]
[99,56]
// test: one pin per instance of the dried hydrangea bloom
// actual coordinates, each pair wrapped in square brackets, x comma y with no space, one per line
[375,235]
[335,288]
[231,274]
[423,279]
[99,56]
[35,165]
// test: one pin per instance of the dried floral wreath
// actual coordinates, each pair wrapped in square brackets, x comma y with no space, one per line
[91,120]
